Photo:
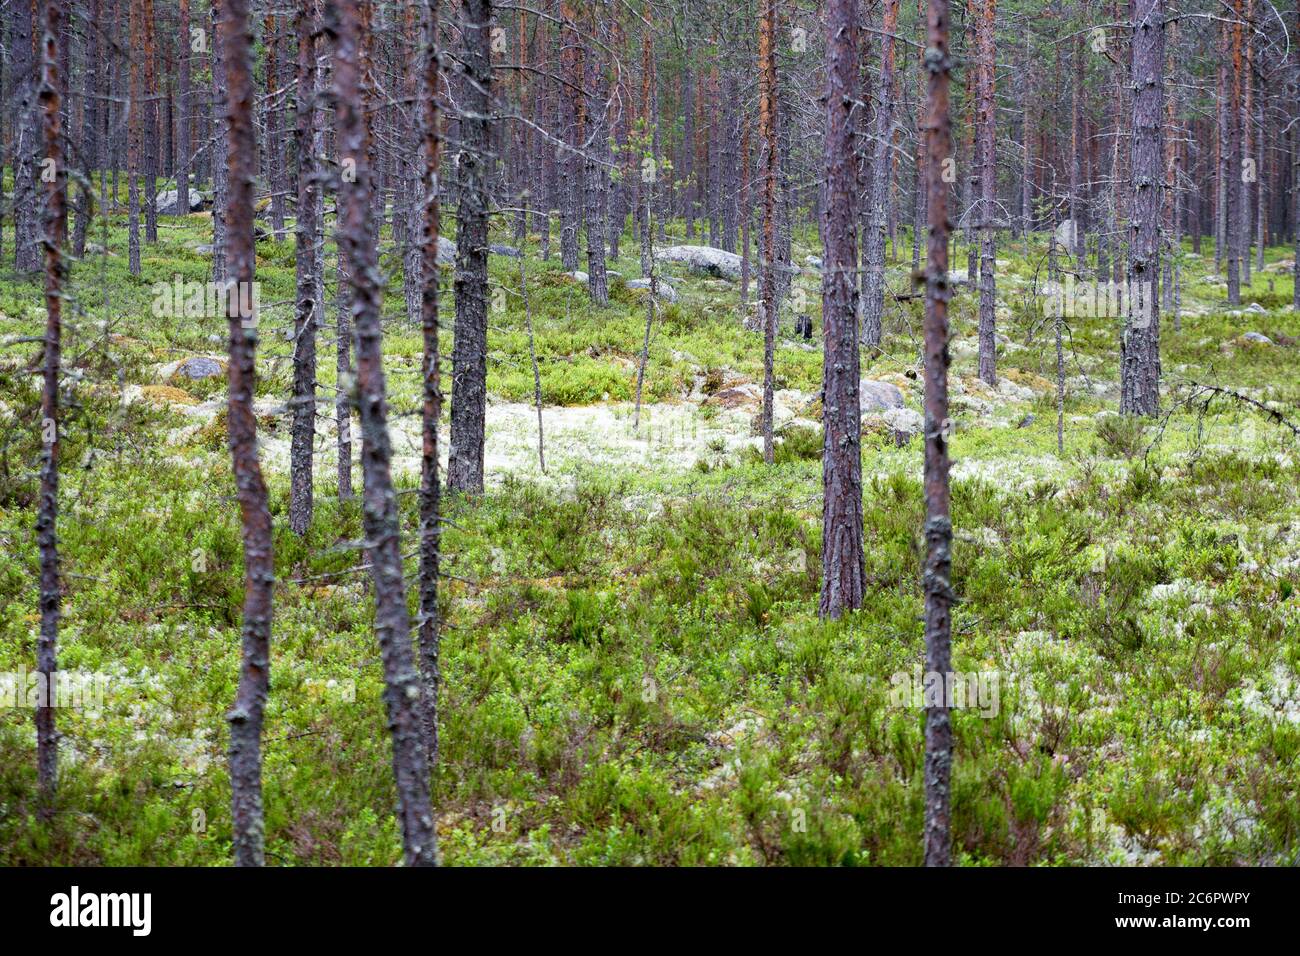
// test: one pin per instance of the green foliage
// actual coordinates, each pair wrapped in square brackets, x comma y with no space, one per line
[634,669]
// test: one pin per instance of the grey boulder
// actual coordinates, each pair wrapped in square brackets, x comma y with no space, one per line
[876,396]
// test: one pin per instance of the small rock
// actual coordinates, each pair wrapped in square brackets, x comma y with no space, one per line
[876,396]
[904,421]
[198,368]
[165,202]
[737,396]
[1026,421]
[500,249]
[666,292]
[704,260]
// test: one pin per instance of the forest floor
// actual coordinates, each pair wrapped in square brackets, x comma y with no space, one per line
[634,670]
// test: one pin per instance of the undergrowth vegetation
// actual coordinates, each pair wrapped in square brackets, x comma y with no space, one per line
[634,669]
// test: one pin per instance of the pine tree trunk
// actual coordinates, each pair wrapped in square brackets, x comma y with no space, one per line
[1076,153]
[1232,166]
[688,171]
[873,242]
[843,561]
[27,190]
[986,132]
[1140,348]
[245,716]
[54,230]
[307,260]
[89,134]
[1248,178]
[431,383]
[646,116]
[183,93]
[767,121]
[918,197]
[469,355]
[746,215]
[220,179]
[150,117]
[573,110]
[402,687]
[594,178]
[274,145]
[938,526]
[133,149]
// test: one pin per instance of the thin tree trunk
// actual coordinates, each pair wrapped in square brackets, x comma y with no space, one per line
[89,134]
[27,215]
[55,228]
[183,147]
[746,214]
[1026,125]
[687,171]
[259,572]
[1140,348]
[1076,153]
[573,109]
[220,179]
[402,686]
[532,358]
[918,204]
[150,106]
[1261,199]
[938,525]
[873,253]
[274,146]
[652,301]
[469,355]
[1249,177]
[1058,328]
[985,147]
[412,231]
[343,399]
[431,407]
[594,179]
[134,109]
[843,561]
[768,293]
[646,185]
[1232,166]
[307,260]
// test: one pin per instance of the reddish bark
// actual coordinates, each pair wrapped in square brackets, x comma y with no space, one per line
[246,715]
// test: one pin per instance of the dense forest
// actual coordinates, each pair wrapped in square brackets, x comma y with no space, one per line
[665,432]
